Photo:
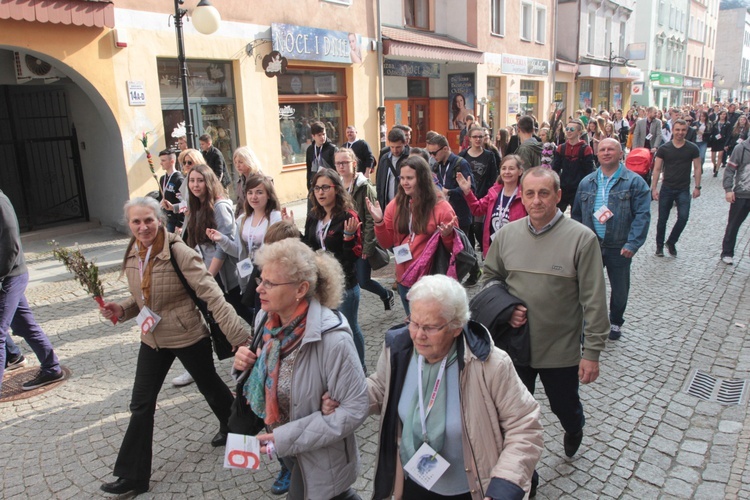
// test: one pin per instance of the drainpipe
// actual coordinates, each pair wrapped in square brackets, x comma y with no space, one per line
[381,82]
[554,57]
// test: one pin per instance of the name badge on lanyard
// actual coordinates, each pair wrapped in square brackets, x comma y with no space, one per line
[402,253]
[604,213]
[322,232]
[146,319]
[427,466]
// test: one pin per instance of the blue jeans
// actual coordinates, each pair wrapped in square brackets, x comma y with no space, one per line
[349,308]
[618,270]
[402,291]
[667,197]
[702,147]
[15,313]
[364,273]
[11,349]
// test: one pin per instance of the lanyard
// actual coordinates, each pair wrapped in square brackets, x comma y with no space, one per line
[318,154]
[422,412]
[251,237]
[605,186]
[141,264]
[322,231]
[411,232]
[445,173]
[166,181]
[503,210]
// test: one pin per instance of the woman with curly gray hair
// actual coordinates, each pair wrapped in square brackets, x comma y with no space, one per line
[307,353]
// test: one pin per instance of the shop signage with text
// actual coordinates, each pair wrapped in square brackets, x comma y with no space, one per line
[314,44]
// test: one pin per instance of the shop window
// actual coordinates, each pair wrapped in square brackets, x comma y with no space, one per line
[211,103]
[586,94]
[498,17]
[541,25]
[592,35]
[526,21]
[529,98]
[561,94]
[417,14]
[603,96]
[305,96]
[417,87]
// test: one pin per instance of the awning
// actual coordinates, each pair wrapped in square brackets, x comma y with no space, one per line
[406,43]
[91,13]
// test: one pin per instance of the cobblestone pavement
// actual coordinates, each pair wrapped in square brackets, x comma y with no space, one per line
[644,438]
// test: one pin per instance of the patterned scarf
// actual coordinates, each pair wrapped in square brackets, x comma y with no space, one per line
[156,247]
[278,340]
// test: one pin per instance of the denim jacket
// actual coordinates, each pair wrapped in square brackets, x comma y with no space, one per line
[630,202]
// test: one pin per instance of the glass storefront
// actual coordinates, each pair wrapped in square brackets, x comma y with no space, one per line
[305,96]
[530,98]
[212,104]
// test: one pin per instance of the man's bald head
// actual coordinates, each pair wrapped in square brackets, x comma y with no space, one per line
[609,154]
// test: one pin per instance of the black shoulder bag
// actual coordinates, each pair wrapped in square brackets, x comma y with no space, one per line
[242,418]
[222,346]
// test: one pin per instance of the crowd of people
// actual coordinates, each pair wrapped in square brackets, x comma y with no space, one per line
[447,397]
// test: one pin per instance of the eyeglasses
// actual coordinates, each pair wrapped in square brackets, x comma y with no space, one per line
[570,129]
[343,163]
[269,285]
[325,188]
[427,329]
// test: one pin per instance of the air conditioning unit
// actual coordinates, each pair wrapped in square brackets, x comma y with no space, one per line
[29,68]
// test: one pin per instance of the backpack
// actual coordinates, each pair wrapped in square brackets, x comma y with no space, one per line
[639,161]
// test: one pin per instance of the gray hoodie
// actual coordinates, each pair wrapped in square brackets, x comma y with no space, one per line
[737,173]
[12,262]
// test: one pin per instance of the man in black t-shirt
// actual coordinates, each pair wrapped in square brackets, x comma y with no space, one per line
[675,158]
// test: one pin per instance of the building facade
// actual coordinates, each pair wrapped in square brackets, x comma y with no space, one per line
[81,81]
[699,66]
[732,76]
[596,37]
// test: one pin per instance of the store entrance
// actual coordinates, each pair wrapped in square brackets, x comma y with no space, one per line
[419,121]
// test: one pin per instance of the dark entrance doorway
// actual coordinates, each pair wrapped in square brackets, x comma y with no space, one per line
[40,165]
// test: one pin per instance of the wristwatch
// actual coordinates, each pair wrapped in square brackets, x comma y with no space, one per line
[698,188]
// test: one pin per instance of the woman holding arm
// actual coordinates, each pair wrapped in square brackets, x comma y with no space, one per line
[502,204]
[170,327]
[411,218]
[361,189]
[307,352]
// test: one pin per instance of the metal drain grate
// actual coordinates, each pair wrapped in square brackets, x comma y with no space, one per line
[710,388]
[13,380]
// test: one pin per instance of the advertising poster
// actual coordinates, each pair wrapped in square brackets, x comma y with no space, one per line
[513,101]
[462,94]
[585,100]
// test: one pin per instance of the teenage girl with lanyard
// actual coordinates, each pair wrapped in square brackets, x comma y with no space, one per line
[333,226]
[503,201]
[261,209]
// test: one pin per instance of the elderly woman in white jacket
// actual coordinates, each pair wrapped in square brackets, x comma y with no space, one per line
[307,351]
[478,415]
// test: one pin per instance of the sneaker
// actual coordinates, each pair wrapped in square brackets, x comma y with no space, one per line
[659,252]
[672,249]
[184,379]
[42,379]
[281,485]
[15,363]
[728,260]
[614,332]
[389,300]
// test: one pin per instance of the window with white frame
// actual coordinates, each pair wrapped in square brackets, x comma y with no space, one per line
[592,28]
[662,11]
[526,21]
[541,24]
[497,20]
[623,28]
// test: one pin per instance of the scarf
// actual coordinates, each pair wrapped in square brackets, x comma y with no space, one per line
[278,340]
[411,435]
[156,247]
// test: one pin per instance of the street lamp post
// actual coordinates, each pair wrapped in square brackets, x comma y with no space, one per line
[206,20]
[612,59]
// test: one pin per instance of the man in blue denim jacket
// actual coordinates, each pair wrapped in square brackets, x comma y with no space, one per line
[615,203]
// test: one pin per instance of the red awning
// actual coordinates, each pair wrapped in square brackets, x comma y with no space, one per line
[92,13]
[406,43]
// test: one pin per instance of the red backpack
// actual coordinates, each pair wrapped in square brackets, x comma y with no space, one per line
[639,161]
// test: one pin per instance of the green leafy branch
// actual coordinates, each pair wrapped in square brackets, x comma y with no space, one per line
[85,272]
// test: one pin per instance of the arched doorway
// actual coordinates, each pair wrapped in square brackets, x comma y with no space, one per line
[59,144]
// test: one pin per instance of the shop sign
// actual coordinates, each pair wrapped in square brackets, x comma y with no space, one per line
[636,89]
[286,111]
[558,97]
[274,64]
[532,99]
[514,65]
[514,99]
[136,93]
[461,93]
[392,67]
[538,67]
[692,83]
[315,44]
[665,79]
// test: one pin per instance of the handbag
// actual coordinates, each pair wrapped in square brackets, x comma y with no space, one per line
[222,347]
[242,418]
[379,258]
